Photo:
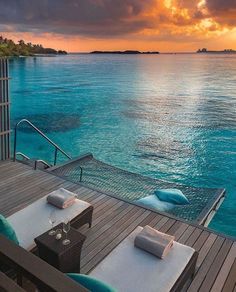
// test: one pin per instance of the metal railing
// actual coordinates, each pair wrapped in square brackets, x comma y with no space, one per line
[57,148]
[42,162]
[25,157]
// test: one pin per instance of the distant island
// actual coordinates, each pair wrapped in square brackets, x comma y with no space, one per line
[128,52]
[226,51]
[8,48]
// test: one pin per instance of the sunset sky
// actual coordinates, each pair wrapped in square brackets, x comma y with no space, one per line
[85,25]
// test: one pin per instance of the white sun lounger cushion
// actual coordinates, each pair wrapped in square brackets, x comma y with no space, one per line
[33,220]
[128,268]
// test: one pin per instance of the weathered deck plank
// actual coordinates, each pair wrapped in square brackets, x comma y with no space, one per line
[215,268]
[231,279]
[225,269]
[113,220]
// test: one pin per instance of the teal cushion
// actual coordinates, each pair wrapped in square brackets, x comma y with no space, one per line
[90,283]
[154,203]
[7,230]
[174,196]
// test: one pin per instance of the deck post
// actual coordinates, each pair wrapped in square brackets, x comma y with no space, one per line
[4,111]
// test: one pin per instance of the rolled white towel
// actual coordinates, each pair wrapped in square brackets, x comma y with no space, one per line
[61,198]
[154,241]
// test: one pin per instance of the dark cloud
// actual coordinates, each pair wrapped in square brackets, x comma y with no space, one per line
[114,18]
[85,17]
[221,6]
[224,12]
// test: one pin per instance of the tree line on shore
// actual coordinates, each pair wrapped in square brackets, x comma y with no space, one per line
[10,48]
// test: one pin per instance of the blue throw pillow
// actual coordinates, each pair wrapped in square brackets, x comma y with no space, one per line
[7,230]
[174,196]
[90,283]
[154,203]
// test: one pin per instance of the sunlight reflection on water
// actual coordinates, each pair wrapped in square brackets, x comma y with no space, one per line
[166,116]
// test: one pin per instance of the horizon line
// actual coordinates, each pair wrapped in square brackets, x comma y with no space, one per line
[88,52]
[179,52]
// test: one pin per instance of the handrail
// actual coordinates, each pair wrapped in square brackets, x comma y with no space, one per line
[43,135]
[23,155]
[36,161]
[57,148]
[40,161]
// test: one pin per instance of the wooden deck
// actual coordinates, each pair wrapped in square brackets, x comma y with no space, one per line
[114,220]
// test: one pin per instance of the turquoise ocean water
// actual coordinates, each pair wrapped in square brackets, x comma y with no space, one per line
[171,117]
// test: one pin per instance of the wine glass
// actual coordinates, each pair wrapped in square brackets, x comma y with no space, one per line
[66,229]
[52,221]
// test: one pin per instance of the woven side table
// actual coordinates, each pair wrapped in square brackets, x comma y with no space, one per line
[65,258]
